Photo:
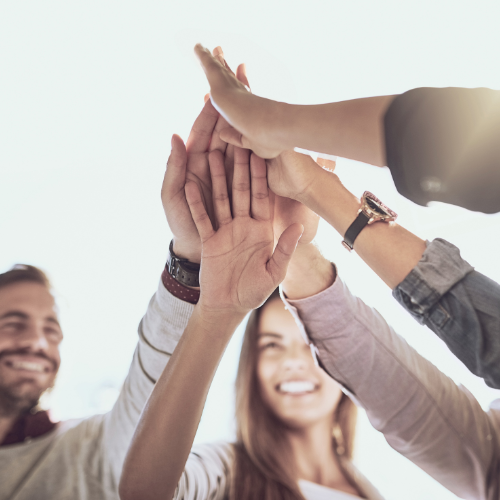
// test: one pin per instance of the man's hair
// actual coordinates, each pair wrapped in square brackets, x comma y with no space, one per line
[24,272]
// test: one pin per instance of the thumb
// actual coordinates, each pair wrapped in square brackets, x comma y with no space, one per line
[175,176]
[232,136]
[278,263]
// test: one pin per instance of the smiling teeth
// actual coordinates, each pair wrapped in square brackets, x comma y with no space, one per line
[297,387]
[27,365]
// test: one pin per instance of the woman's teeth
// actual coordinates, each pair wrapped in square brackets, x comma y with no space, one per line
[296,387]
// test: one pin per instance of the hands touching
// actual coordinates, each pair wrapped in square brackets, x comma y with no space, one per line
[190,163]
[239,268]
[257,121]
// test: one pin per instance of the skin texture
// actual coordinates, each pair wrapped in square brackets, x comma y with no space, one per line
[29,332]
[239,270]
[350,129]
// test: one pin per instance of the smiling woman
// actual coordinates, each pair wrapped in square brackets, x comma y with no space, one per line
[286,406]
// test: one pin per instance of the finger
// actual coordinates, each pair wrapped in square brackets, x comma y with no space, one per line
[327,163]
[203,128]
[206,98]
[217,143]
[198,212]
[219,188]
[175,175]
[232,136]
[287,243]
[211,66]
[219,55]
[241,74]
[241,183]
[260,190]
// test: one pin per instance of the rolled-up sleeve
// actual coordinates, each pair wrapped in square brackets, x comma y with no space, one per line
[442,144]
[459,304]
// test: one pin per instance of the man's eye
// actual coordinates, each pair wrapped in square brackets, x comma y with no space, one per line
[13,325]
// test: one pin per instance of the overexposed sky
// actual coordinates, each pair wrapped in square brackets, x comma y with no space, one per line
[90,94]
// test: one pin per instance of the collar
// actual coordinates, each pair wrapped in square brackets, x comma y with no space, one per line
[28,426]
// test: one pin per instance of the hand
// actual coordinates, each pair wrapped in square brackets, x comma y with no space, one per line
[287,211]
[190,163]
[291,174]
[257,122]
[238,268]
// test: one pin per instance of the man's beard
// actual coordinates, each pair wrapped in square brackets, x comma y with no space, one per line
[20,397]
[16,401]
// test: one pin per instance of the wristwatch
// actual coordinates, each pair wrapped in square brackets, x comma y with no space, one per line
[372,210]
[185,272]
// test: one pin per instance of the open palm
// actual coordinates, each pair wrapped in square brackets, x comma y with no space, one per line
[239,269]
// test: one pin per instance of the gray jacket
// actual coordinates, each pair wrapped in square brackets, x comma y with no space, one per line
[459,304]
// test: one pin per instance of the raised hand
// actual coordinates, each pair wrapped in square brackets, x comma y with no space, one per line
[239,269]
[256,121]
[190,163]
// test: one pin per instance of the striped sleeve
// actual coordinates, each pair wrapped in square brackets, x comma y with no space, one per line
[207,473]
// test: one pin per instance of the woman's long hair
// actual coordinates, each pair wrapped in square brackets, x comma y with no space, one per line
[264,467]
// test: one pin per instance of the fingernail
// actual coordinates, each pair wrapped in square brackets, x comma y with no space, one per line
[219,54]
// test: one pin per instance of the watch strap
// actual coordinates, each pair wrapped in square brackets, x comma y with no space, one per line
[185,272]
[354,229]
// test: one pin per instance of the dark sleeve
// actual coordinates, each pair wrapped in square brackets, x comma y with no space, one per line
[444,145]
[459,304]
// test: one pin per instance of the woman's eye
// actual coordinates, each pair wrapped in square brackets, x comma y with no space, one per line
[270,345]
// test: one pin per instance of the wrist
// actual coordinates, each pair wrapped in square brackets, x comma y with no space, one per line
[308,273]
[330,199]
[218,321]
[187,250]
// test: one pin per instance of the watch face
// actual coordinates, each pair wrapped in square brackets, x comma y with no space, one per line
[376,209]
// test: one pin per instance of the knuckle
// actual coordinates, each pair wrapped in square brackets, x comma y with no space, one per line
[260,196]
[241,186]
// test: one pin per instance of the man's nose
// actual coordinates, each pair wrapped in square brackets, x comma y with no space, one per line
[34,337]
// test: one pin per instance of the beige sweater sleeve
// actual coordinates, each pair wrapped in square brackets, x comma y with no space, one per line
[159,332]
[422,413]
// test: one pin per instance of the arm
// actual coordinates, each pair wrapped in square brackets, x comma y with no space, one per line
[351,129]
[459,304]
[389,249]
[167,427]
[239,271]
[434,284]
[167,316]
[421,412]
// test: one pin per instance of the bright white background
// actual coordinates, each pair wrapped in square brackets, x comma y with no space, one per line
[90,93]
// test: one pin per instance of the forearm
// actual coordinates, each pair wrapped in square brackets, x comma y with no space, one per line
[421,412]
[308,273]
[350,129]
[168,424]
[389,249]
